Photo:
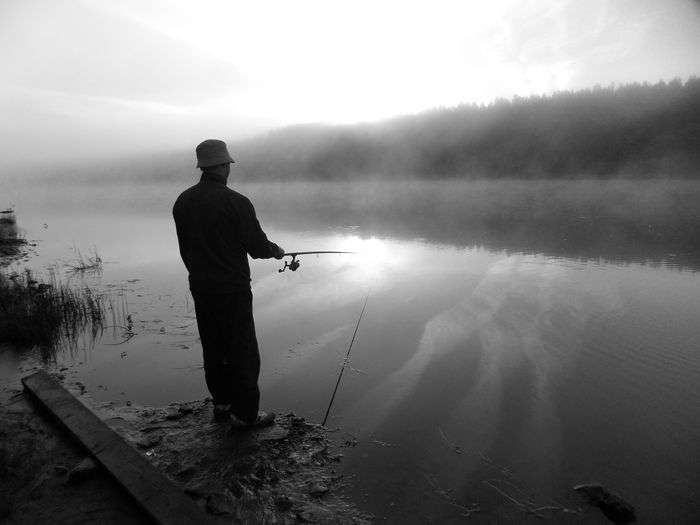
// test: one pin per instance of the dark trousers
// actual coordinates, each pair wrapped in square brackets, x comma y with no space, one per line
[230,348]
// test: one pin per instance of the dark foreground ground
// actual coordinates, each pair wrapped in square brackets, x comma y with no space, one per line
[35,461]
[282,474]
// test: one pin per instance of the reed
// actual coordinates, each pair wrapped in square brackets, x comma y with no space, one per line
[10,239]
[47,315]
[81,265]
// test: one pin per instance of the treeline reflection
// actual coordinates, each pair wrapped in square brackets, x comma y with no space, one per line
[656,223]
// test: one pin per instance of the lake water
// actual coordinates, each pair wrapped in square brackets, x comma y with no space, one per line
[514,340]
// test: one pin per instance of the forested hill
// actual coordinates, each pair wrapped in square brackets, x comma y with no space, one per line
[637,130]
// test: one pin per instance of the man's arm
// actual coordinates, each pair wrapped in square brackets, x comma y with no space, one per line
[181,239]
[255,241]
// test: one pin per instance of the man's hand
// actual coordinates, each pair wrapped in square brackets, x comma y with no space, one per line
[278,252]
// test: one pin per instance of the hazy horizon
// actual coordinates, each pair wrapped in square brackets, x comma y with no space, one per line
[96,80]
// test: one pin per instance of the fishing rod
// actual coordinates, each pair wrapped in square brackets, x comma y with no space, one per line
[345,361]
[294,263]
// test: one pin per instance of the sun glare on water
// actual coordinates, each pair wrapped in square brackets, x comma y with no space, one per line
[371,257]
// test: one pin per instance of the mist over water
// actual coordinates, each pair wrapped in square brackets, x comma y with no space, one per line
[535,333]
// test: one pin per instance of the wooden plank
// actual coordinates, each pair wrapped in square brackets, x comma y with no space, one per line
[160,498]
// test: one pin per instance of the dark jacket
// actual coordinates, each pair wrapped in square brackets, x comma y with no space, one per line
[216,228]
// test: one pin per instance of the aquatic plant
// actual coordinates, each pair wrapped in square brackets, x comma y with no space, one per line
[85,265]
[122,324]
[10,238]
[47,314]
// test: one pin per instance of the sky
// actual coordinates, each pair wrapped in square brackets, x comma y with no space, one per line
[102,79]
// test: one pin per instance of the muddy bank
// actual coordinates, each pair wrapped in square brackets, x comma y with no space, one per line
[286,473]
[281,474]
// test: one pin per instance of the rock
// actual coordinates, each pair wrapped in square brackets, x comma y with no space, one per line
[83,470]
[172,412]
[611,505]
[60,470]
[186,409]
[149,441]
[318,490]
[273,433]
[221,503]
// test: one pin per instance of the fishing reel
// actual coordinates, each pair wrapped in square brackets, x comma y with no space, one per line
[292,265]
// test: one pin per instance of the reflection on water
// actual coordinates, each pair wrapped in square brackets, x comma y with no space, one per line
[515,339]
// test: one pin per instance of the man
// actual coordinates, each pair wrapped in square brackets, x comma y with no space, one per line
[216,230]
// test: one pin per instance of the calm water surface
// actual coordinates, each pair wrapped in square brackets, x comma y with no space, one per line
[475,366]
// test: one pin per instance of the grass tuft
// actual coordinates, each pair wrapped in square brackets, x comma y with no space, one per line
[47,315]
[10,238]
[91,265]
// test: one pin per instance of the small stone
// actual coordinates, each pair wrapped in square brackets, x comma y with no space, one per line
[172,413]
[83,470]
[318,490]
[273,433]
[60,470]
[128,403]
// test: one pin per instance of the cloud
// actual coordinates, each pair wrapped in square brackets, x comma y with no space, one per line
[74,48]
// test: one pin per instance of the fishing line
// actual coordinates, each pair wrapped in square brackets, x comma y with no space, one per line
[345,361]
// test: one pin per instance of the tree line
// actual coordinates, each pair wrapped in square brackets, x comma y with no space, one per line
[634,130]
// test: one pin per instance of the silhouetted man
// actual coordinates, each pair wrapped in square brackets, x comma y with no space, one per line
[216,230]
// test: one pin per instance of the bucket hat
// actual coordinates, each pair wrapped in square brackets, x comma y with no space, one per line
[212,152]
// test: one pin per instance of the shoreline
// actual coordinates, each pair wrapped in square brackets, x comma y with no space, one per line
[283,474]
